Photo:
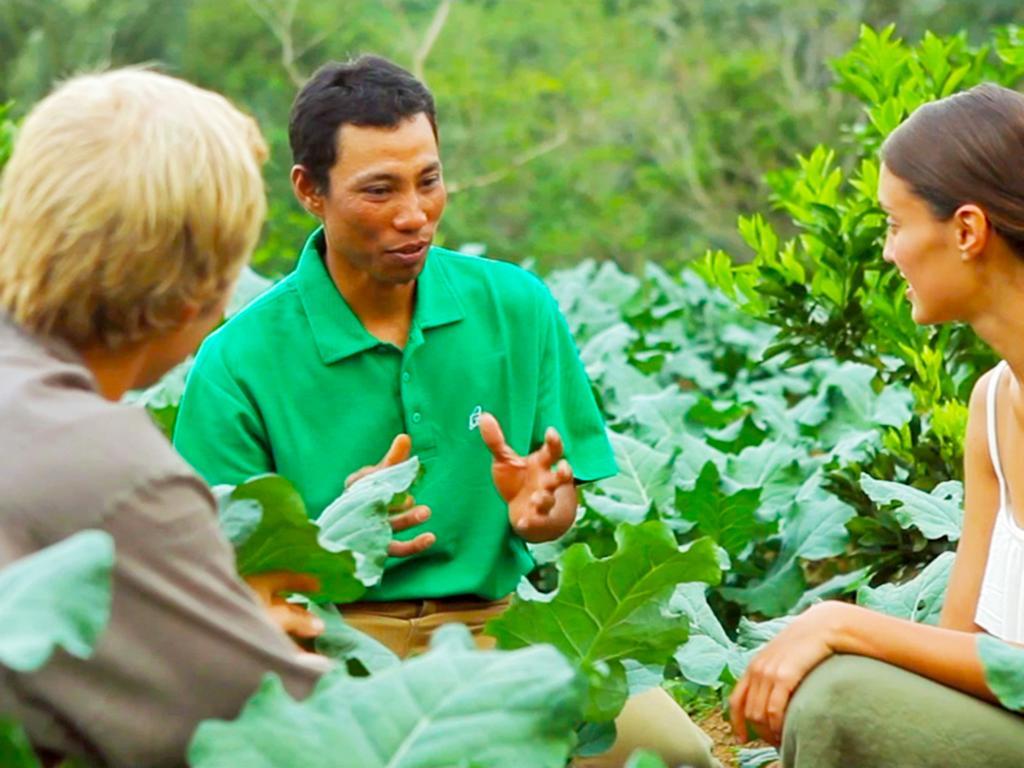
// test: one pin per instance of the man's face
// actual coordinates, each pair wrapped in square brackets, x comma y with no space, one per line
[386,196]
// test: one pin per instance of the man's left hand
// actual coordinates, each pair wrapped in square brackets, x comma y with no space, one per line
[538,488]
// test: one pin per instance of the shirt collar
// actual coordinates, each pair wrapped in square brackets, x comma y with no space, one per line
[337,330]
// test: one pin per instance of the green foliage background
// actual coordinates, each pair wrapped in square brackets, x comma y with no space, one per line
[629,130]
[775,404]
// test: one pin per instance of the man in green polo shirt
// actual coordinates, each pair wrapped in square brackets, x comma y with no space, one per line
[377,334]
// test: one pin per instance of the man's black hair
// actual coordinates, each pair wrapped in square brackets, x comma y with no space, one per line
[367,91]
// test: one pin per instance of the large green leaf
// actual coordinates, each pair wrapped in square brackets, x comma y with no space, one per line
[612,609]
[346,644]
[452,706]
[937,515]
[358,519]
[919,599]
[694,455]
[847,413]
[840,584]
[777,468]
[709,651]
[1004,670]
[730,520]
[59,596]
[644,482]
[346,547]
[587,310]
[813,529]
[660,416]
[284,538]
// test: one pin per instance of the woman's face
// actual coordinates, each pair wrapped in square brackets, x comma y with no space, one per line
[926,252]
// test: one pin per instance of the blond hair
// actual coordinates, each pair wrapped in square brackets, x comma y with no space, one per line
[129,195]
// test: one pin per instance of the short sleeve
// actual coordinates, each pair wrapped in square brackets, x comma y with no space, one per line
[567,401]
[218,429]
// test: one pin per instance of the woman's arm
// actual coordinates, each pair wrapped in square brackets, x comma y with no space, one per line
[946,654]
[981,504]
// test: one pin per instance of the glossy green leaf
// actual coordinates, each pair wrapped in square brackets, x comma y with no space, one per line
[814,528]
[612,609]
[709,652]
[266,520]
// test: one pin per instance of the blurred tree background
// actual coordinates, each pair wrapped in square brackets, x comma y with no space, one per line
[628,130]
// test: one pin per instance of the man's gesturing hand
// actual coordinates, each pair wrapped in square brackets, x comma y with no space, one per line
[538,488]
[407,515]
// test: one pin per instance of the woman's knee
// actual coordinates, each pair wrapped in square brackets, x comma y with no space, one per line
[825,706]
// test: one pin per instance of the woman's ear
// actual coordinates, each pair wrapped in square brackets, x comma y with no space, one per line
[306,190]
[972,230]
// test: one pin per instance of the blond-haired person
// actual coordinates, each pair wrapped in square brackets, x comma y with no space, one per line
[127,210]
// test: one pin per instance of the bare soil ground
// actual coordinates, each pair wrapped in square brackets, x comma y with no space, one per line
[726,749]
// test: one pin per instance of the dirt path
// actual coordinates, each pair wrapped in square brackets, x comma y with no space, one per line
[726,749]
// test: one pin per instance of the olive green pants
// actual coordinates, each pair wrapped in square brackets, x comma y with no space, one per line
[650,720]
[856,712]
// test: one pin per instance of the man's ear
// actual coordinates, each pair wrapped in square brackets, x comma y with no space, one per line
[306,190]
[972,230]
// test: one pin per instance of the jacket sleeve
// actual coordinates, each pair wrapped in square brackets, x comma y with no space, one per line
[187,640]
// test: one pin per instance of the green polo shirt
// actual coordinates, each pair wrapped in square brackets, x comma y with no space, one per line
[295,384]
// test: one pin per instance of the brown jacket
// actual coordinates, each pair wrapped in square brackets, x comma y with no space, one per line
[187,640]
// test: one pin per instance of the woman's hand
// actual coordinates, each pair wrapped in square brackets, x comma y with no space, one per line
[763,693]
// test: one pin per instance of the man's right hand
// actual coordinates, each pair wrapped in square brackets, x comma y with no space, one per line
[408,514]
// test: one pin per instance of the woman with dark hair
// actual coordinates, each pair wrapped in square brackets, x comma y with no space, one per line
[843,685]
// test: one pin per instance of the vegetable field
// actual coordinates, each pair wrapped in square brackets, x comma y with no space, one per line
[784,434]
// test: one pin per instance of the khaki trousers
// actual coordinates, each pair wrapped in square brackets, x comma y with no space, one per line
[651,720]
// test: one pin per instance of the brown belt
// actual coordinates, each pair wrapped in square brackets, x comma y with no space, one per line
[412,608]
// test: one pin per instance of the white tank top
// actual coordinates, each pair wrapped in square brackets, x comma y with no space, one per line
[1001,603]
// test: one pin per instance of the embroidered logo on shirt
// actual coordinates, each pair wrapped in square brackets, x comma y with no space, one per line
[474,418]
